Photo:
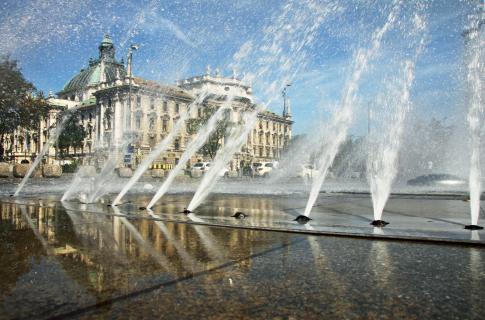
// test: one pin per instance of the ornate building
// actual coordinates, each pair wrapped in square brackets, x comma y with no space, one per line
[117,107]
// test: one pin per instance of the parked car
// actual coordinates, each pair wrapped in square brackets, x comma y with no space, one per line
[263,169]
[199,169]
[437,179]
[307,171]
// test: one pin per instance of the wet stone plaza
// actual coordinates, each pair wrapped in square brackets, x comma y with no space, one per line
[64,260]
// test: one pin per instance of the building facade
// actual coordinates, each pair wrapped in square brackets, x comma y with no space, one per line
[118,109]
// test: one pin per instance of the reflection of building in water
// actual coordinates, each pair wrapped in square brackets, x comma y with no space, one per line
[101,248]
[116,106]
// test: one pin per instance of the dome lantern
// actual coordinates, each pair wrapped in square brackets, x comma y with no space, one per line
[106,49]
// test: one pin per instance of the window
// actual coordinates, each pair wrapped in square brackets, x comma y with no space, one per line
[177,108]
[176,144]
[138,122]
[165,106]
[138,101]
[151,124]
[164,125]
[152,104]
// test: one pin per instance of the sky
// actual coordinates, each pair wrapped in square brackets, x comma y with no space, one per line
[309,43]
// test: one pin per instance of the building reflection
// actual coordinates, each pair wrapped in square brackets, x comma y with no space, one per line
[100,251]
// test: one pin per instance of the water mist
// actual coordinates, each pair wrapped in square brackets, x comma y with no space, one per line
[336,132]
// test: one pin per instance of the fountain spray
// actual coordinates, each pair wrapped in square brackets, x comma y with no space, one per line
[50,142]
[475,43]
[337,129]
[305,19]
[196,143]
[161,147]
[382,162]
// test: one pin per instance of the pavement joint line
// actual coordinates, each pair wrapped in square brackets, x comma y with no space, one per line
[297,231]
[134,294]
[396,238]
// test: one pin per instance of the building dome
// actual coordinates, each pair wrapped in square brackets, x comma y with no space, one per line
[104,69]
[92,76]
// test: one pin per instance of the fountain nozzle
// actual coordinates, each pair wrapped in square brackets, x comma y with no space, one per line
[379,223]
[142,208]
[301,219]
[239,215]
[186,211]
[473,227]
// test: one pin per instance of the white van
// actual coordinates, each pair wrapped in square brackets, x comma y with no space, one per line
[199,168]
[263,169]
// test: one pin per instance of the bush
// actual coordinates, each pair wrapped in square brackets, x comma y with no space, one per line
[69,167]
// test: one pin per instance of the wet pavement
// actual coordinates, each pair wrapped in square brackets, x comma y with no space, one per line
[72,260]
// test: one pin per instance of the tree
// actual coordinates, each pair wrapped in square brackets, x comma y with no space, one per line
[72,134]
[21,105]
[215,140]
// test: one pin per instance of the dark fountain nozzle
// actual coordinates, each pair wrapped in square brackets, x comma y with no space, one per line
[379,223]
[473,227]
[142,208]
[239,215]
[186,211]
[301,219]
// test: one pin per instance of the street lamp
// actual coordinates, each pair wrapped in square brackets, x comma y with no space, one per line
[130,73]
[130,79]
[284,94]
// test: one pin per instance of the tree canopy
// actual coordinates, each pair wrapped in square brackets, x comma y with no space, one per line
[21,105]
[215,140]
[72,134]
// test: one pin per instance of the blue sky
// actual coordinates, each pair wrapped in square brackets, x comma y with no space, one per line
[53,40]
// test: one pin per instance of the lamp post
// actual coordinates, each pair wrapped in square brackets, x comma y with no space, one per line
[130,79]
[284,94]
[130,74]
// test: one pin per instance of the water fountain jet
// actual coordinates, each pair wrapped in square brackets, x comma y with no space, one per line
[239,215]
[379,223]
[302,219]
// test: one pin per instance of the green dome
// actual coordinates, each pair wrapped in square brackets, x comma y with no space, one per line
[92,75]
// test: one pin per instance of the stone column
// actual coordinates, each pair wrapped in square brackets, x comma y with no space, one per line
[100,135]
[118,122]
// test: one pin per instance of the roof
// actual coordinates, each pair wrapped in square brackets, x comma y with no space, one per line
[92,75]
[167,89]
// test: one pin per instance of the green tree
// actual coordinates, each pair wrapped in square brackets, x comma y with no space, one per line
[72,134]
[21,105]
[214,142]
